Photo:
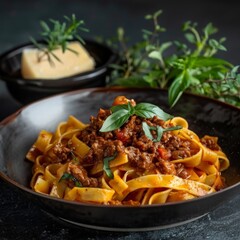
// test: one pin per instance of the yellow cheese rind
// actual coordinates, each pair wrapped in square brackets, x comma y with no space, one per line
[71,64]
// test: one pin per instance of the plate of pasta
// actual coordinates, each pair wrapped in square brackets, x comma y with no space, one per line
[120,159]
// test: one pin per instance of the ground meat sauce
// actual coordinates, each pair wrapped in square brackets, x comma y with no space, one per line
[143,154]
[210,142]
[80,174]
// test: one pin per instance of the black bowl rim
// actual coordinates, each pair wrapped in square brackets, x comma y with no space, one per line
[61,82]
[102,89]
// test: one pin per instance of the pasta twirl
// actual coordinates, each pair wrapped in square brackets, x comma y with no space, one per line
[133,154]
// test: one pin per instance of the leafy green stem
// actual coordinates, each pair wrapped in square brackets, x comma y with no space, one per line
[189,68]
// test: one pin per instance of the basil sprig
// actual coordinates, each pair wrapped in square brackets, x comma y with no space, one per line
[106,167]
[159,130]
[121,113]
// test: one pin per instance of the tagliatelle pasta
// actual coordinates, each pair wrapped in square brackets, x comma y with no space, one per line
[133,154]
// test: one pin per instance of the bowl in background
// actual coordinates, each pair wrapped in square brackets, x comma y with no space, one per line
[26,90]
[205,116]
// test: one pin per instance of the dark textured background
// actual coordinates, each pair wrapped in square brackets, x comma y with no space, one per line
[20,219]
[20,19]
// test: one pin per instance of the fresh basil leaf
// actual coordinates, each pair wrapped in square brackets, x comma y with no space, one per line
[217,45]
[65,176]
[210,29]
[131,109]
[115,120]
[69,176]
[179,85]
[159,134]
[155,55]
[207,61]
[106,166]
[119,107]
[175,91]
[121,113]
[146,130]
[190,37]
[78,184]
[234,72]
[172,128]
[164,46]
[148,110]
[186,25]
[159,130]
[179,63]
[127,106]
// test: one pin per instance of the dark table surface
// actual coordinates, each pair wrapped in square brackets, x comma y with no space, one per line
[21,219]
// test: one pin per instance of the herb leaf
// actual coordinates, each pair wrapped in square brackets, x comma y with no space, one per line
[69,176]
[106,167]
[148,110]
[115,120]
[179,85]
[121,113]
[119,107]
[159,131]
[147,131]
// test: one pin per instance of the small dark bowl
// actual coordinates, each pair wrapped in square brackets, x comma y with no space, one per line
[25,90]
[205,116]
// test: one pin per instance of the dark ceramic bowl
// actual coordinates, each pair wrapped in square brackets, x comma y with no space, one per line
[27,91]
[205,116]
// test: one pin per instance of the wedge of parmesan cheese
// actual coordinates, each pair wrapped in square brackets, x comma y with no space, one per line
[71,63]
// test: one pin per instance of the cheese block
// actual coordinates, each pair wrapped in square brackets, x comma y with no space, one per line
[71,63]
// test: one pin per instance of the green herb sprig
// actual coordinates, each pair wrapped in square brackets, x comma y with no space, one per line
[178,66]
[121,113]
[59,36]
[159,131]
[226,90]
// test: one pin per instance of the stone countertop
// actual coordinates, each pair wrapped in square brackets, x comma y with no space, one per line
[21,219]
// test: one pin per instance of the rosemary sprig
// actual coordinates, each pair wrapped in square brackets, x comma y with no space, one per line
[58,37]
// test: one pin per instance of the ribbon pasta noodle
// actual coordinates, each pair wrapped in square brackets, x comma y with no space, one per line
[127,165]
